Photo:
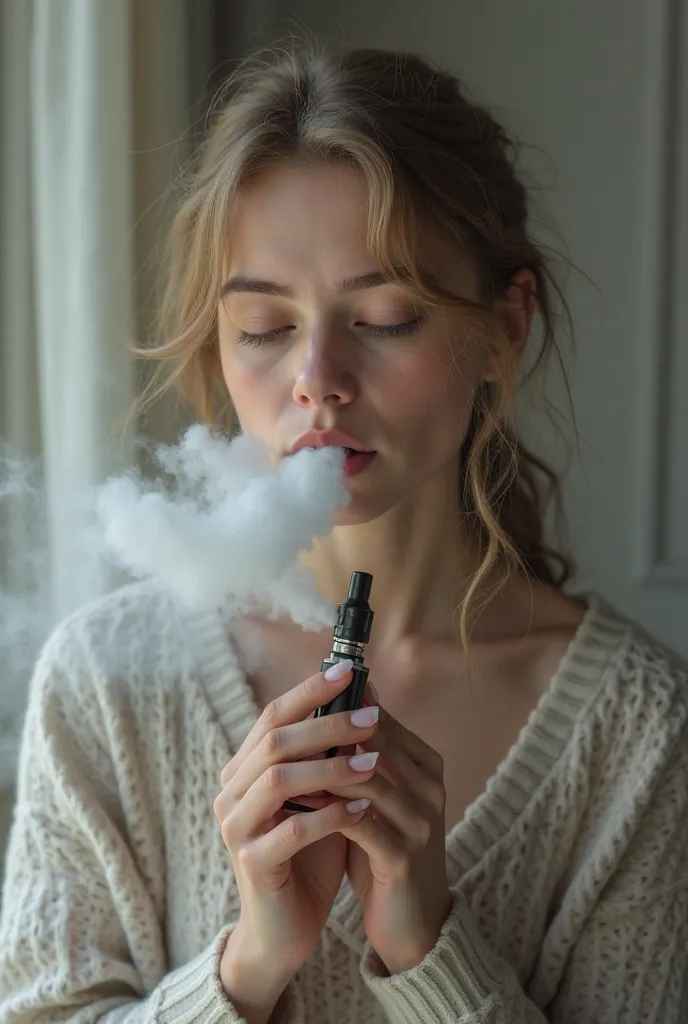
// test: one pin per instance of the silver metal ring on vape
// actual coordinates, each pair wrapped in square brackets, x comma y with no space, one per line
[349,648]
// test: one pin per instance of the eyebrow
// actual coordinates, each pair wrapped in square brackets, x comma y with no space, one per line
[350,284]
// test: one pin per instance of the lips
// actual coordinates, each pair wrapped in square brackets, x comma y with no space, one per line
[357,459]
[328,439]
[356,462]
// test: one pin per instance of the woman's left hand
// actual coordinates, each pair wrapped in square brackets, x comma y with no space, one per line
[396,852]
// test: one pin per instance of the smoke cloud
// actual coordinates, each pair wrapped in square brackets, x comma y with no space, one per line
[221,526]
[231,529]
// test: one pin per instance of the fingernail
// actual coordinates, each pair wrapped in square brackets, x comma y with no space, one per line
[364,762]
[354,806]
[374,694]
[339,670]
[365,716]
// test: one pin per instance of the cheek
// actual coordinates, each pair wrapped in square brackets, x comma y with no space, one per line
[429,388]
[253,392]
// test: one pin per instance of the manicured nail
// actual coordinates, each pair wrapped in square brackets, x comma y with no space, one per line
[354,806]
[365,716]
[364,762]
[339,670]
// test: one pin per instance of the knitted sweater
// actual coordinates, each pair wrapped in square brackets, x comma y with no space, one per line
[569,872]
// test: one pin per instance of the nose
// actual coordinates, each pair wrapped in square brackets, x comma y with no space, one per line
[321,378]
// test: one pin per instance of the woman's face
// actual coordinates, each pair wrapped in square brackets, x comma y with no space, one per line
[311,338]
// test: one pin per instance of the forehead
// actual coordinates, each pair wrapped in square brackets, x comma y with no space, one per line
[289,182]
[298,213]
[312,219]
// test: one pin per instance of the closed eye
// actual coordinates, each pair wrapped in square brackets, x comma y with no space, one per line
[393,330]
[259,339]
[381,330]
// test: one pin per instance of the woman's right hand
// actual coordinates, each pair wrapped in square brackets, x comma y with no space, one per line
[288,867]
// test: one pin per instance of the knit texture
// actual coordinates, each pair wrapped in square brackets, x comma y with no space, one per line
[570,871]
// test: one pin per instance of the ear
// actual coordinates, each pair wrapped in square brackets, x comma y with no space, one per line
[515,308]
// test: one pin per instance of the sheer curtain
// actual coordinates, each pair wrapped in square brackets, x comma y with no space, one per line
[83,213]
[96,98]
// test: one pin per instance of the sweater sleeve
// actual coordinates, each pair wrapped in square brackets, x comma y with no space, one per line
[74,888]
[459,980]
[628,961]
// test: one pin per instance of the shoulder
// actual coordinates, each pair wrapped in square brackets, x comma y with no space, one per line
[625,770]
[645,679]
[127,628]
[112,682]
[637,721]
[112,659]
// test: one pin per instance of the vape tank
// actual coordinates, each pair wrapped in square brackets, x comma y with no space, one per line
[350,635]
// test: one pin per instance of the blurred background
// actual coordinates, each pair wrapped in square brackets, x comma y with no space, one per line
[102,103]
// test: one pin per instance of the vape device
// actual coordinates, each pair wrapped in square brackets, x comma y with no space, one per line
[350,635]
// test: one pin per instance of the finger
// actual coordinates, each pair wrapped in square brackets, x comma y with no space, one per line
[396,765]
[417,749]
[246,818]
[399,810]
[421,752]
[382,847]
[293,706]
[268,852]
[370,695]
[293,743]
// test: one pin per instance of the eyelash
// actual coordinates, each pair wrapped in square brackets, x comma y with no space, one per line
[382,331]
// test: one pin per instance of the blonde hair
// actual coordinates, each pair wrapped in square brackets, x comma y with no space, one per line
[424,149]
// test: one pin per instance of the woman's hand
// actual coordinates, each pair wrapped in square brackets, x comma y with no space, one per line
[396,856]
[288,867]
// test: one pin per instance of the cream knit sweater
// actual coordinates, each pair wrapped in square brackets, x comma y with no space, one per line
[570,871]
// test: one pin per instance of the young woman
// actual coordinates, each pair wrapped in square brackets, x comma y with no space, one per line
[351,266]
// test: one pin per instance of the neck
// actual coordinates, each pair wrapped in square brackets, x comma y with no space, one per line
[419,555]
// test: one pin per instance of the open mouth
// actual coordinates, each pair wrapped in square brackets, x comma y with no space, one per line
[356,459]
[356,462]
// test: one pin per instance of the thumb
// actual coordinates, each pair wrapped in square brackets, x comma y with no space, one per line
[371,695]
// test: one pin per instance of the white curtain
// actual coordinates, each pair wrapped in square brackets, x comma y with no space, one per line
[83,205]
[94,98]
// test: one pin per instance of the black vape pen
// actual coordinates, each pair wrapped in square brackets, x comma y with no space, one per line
[350,635]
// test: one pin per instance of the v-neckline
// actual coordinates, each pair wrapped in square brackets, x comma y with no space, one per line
[593,649]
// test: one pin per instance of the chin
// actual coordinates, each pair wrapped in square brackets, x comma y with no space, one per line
[364,509]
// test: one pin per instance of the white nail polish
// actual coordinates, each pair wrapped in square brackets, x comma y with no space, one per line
[354,806]
[337,671]
[365,716]
[364,762]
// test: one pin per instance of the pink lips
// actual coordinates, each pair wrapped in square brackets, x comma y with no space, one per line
[357,458]
[357,462]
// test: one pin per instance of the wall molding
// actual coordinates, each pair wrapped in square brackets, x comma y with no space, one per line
[665,129]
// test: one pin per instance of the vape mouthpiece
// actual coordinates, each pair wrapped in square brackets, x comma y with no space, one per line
[359,588]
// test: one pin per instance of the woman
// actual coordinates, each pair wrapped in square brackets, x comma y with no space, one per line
[351,266]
